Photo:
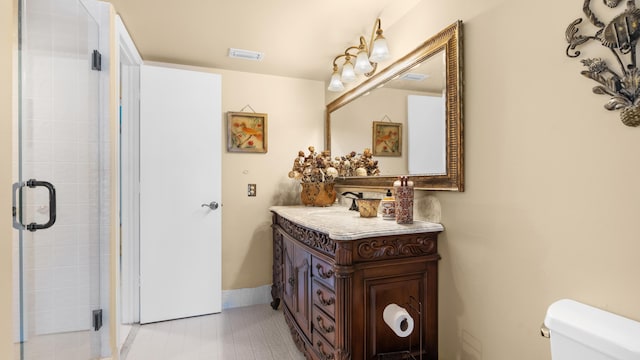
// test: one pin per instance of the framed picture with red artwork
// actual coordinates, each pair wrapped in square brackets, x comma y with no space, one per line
[246,132]
[387,139]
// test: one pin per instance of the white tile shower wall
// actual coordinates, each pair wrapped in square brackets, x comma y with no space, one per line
[61,141]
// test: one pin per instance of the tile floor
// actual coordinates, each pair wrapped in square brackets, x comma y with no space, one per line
[62,346]
[249,333]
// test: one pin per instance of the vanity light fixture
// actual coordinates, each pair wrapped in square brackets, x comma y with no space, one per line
[366,59]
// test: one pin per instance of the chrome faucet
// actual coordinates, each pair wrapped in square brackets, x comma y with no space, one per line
[354,204]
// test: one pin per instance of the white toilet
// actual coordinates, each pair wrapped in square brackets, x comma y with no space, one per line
[582,332]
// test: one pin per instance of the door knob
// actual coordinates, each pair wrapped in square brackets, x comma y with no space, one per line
[212,205]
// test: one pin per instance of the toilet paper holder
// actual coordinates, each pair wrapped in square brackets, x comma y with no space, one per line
[415,306]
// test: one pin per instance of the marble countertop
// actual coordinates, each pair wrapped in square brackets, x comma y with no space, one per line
[341,224]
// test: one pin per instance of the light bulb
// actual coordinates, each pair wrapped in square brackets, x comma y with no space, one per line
[335,84]
[348,74]
[363,65]
[380,51]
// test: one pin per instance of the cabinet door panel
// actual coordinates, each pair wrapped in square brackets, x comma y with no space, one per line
[289,273]
[385,291]
[303,286]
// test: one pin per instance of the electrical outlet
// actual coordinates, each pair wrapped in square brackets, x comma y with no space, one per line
[251,189]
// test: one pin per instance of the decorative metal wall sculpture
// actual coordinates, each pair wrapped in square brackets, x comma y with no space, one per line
[620,35]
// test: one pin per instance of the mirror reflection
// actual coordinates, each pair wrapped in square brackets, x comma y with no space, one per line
[410,115]
[415,100]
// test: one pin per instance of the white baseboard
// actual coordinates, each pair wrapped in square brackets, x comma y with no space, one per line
[246,297]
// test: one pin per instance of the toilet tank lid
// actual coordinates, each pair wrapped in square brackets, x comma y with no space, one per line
[603,331]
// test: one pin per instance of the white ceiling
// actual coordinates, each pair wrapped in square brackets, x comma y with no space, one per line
[299,38]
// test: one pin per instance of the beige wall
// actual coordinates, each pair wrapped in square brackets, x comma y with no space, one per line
[551,202]
[7,22]
[352,126]
[295,111]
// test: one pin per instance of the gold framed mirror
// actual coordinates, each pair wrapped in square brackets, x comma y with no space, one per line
[433,152]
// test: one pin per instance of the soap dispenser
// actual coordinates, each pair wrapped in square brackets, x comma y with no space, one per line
[388,205]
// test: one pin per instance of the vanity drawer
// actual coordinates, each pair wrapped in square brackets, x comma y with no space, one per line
[324,271]
[324,325]
[323,348]
[324,298]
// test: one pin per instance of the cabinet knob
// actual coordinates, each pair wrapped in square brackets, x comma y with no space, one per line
[323,355]
[323,328]
[322,273]
[323,301]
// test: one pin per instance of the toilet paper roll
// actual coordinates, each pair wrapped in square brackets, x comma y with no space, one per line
[398,319]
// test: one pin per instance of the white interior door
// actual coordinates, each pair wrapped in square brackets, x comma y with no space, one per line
[180,155]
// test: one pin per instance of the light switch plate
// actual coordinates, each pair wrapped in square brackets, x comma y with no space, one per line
[251,189]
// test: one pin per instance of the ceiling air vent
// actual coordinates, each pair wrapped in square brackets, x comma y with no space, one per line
[413,77]
[245,54]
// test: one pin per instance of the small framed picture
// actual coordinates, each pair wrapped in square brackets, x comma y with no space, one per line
[246,132]
[387,139]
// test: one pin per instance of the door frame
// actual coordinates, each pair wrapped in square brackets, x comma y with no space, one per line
[127,69]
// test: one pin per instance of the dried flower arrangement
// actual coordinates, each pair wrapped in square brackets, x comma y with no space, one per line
[319,167]
[353,164]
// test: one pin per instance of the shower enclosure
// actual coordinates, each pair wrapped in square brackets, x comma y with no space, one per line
[61,191]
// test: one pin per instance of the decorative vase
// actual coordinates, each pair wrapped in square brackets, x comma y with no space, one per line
[368,207]
[317,194]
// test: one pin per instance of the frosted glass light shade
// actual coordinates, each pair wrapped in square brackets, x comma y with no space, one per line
[363,65]
[335,84]
[348,73]
[380,51]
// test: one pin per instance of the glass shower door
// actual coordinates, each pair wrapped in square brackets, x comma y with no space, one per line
[57,205]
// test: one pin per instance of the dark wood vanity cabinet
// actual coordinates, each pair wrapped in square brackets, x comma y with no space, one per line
[296,271]
[334,291]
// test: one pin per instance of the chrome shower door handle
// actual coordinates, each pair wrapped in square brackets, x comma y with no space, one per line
[212,205]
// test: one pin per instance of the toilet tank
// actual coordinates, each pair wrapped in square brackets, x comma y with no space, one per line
[582,332]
